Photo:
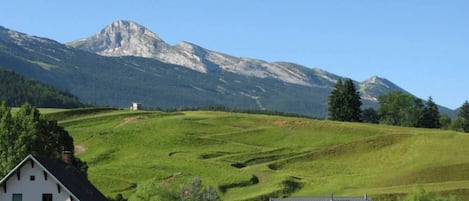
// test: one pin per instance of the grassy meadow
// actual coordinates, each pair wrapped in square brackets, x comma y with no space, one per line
[250,157]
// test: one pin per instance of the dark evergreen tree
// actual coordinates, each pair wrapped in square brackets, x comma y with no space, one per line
[370,116]
[464,117]
[413,114]
[335,102]
[430,115]
[345,102]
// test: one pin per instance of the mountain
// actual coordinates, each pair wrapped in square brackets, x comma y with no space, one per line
[372,88]
[17,90]
[126,62]
[124,38]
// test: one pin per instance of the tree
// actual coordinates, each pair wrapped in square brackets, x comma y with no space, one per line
[197,192]
[29,133]
[156,190]
[370,116]
[461,123]
[430,115]
[464,117]
[445,121]
[397,108]
[345,102]
[335,102]
[7,137]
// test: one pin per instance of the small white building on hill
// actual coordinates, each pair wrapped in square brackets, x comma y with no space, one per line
[135,106]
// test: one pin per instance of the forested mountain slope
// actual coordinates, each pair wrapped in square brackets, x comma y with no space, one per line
[17,90]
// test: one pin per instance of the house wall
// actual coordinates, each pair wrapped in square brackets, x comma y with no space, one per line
[135,106]
[32,190]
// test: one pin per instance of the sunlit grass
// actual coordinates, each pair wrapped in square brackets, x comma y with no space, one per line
[125,149]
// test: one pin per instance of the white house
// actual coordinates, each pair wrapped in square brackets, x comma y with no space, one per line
[135,106]
[38,178]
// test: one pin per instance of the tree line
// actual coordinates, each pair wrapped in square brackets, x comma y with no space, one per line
[395,108]
[17,90]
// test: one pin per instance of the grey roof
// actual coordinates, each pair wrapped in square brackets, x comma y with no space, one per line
[323,199]
[67,176]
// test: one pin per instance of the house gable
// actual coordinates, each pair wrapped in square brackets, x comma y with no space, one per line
[30,179]
[35,176]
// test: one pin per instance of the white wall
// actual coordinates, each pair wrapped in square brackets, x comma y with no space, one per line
[32,190]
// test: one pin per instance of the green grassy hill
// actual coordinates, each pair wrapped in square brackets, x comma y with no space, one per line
[253,156]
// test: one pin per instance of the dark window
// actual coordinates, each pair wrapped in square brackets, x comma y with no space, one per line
[32,178]
[17,197]
[46,197]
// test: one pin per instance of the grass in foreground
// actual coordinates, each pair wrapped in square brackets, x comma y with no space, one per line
[290,156]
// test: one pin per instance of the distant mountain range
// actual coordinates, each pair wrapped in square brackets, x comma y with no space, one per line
[126,62]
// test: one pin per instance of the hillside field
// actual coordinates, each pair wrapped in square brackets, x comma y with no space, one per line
[250,157]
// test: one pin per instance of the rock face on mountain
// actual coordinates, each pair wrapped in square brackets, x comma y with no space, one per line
[126,62]
[125,38]
[372,88]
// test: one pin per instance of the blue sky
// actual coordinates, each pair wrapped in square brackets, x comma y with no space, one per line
[421,45]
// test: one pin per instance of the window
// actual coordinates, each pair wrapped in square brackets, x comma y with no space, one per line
[46,197]
[32,178]
[17,197]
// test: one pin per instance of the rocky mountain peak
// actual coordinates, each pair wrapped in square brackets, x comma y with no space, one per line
[383,82]
[126,38]
[127,30]
[372,88]
[122,38]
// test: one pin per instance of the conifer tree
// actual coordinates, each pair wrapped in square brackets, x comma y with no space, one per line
[370,116]
[345,102]
[352,102]
[430,115]
[335,102]
[464,117]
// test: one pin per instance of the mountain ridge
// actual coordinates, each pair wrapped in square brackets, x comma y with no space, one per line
[206,61]
[221,80]
[191,55]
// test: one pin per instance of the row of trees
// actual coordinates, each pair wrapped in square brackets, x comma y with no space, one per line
[395,108]
[27,132]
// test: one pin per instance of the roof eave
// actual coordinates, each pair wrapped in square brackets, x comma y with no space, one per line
[31,157]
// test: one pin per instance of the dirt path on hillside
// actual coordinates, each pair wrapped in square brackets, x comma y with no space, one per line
[130,120]
[80,148]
